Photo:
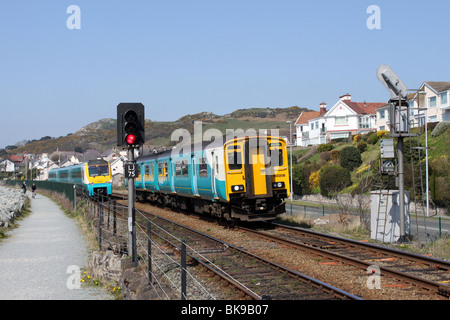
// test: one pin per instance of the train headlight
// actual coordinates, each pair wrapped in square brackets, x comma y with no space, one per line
[278,184]
[237,188]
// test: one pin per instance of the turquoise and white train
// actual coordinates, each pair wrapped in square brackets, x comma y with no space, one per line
[239,178]
[93,176]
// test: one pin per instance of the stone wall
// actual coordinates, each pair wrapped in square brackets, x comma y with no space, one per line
[12,202]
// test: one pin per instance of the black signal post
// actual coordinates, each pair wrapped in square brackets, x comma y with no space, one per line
[131,135]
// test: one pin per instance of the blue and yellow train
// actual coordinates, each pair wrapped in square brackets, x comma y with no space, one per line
[93,176]
[235,178]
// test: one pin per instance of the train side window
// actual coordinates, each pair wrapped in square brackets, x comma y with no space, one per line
[151,173]
[203,168]
[162,169]
[184,168]
[178,168]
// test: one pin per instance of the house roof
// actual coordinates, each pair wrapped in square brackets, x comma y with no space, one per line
[364,107]
[439,86]
[306,116]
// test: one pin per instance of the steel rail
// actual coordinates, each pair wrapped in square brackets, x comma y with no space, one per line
[418,281]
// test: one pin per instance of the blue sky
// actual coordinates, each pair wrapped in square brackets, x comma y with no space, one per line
[181,57]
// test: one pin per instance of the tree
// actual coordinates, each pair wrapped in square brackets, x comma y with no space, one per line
[350,158]
[333,179]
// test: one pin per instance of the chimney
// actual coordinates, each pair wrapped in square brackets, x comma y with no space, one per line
[323,108]
[346,96]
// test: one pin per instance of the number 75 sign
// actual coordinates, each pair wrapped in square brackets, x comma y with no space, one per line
[131,170]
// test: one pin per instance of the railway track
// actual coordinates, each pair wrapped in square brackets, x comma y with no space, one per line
[406,272]
[255,277]
[424,273]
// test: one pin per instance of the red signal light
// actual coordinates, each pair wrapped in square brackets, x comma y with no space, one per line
[130,139]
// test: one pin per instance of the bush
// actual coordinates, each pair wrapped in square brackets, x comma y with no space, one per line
[372,138]
[325,156]
[334,179]
[350,158]
[324,147]
[335,156]
[381,133]
[357,138]
[362,146]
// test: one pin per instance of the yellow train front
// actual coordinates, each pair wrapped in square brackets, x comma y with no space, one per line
[257,177]
[234,178]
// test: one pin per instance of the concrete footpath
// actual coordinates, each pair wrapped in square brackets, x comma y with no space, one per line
[35,257]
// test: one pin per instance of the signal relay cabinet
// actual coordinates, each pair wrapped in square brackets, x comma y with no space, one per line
[385,215]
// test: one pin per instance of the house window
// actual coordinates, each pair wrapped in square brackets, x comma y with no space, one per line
[444,98]
[364,122]
[432,102]
[382,114]
[382,128]
[432,118]
[341,121]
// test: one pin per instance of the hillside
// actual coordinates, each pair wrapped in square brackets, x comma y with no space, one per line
[311,161]
[101,134]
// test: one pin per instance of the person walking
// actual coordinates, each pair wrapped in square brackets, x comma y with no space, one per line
[33,189]
[24,187]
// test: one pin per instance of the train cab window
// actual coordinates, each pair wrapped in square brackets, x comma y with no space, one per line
[276,157]
[235,160]
[98,170]
[203,168]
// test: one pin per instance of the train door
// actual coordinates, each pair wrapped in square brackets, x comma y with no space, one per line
[194,176]
[255,168]
[172,176]
[213,174]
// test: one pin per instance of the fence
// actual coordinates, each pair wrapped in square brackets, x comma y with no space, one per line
[69,190]
[166,272]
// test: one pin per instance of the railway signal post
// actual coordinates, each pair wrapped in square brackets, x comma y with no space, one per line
[131,135]
[399,128]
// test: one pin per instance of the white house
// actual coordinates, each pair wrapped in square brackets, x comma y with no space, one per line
[435,97]
[344,119]
[347,117]
[432,101]
[310,127]
[6,166]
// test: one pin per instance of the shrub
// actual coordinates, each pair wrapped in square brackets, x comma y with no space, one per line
[357,138]
[350,158]
[314,179]
[372,138]
[334,179]
[324,147]
[362,146]
[335,156]
[381,133]
[325,156]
